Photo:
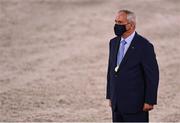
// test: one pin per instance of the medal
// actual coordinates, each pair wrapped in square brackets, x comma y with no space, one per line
[116,68]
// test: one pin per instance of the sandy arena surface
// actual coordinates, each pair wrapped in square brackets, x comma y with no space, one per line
[53,57]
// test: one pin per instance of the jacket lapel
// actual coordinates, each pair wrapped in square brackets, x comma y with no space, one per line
[129,52]
[116,49]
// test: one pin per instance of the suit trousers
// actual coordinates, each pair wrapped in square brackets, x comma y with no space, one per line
[118,116]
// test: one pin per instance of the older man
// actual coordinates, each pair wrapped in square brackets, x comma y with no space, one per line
[133,74]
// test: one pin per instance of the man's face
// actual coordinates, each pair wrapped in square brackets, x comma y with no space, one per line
[121,18]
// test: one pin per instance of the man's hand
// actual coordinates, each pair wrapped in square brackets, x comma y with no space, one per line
[147,107]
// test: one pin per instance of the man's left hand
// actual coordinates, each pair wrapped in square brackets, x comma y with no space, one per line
[147,107]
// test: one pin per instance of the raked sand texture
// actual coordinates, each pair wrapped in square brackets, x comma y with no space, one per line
[54,53]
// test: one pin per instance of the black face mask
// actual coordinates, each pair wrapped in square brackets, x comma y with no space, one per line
[119,29]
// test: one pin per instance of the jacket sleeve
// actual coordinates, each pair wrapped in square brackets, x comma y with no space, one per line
[151,73]
[108,76]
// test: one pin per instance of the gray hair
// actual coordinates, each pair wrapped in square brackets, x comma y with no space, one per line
[131,17]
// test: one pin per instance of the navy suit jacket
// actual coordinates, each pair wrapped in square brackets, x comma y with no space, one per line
[136,81]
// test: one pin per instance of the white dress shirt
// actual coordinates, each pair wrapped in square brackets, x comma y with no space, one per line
[128,41]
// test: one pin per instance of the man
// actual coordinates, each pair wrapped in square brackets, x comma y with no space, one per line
[133,74]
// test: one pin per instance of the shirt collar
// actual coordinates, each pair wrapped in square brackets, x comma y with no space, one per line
[129,38]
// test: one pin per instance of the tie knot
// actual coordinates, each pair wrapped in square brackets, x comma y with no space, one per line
[123,42]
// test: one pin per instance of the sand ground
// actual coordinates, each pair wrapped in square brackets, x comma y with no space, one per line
[53,57]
